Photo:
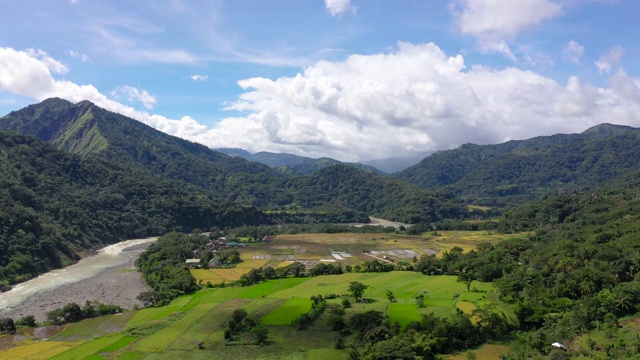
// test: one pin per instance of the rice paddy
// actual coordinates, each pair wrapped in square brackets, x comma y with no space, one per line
[287,312]
[200,318]
[179,329]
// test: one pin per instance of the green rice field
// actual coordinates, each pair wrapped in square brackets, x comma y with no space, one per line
[176,330]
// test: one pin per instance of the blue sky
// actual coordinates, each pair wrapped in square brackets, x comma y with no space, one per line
[350,79]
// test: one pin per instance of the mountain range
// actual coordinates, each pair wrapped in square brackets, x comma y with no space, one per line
[76,176]
[517,171]
[289,163]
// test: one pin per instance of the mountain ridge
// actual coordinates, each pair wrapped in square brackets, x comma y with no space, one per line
[521,170]
[295,163]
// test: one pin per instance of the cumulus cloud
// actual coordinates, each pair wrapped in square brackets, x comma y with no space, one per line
[135,94]
[199,77]
[494,22]
[50,63]
[610,58]
[572,52]
[411,100]
[339,7]
[77,55]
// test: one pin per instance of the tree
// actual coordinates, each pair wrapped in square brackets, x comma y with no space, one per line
[390,296]
[88,310]
[7,326]
[29,321]
[357,289]
[297,268]
[55,317]
[392,349]
[268,273]
[72,312]
[352,352]
[238,315]
[149,298]
[367,320]
[346,303]
[261,333]
[466,277]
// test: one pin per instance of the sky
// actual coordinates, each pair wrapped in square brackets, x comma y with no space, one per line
[353,80]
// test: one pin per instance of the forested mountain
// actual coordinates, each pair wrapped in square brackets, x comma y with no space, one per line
[91,131]
[580,270]
[55,204]
[293,163]
[342,186]
[95,133]
[517,171]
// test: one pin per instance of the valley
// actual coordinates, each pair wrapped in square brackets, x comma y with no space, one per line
[492,250]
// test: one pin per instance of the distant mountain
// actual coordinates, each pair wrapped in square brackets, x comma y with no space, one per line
[516,171]
[394,164]
[297,164]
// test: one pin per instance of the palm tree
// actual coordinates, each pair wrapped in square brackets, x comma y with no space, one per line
[352,353]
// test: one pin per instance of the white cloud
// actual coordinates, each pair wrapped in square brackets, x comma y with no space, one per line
[135,94]
[610,58]
[412,100]
[51,64]
[339,7]
[572,52]
[499,47]
[77,55]
[495,22]
[199,77]
[503,19]
[415,99]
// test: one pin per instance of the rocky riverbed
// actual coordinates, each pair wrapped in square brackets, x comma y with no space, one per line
[109,277]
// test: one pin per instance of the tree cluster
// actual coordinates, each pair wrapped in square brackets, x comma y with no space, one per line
[73,312]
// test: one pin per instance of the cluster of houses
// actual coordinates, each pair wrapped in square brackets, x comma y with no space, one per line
[221,243]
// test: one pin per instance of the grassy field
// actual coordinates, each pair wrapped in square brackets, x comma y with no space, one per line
[485,352]
[403,313]
[287,312]
[176,330]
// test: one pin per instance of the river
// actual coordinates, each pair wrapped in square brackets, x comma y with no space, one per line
[108,277]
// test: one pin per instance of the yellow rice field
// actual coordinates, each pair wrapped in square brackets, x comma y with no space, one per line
[40,350]
[204,276]
[252,264]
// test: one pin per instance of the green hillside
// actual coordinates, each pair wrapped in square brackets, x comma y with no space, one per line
[92,132]
[55,204]
[519,171]
[342,186]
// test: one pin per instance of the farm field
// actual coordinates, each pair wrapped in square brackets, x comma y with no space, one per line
[176,330]
[485,352]
[347,249]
